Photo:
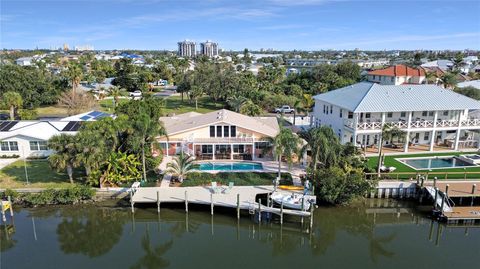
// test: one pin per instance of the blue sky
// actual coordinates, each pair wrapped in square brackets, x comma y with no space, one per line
[238,24]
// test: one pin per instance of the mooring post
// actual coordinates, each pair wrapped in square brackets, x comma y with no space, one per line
[186,202]
[435,182]
[435,199]
[158,201]
[11,205]
[131,202]
[446,189]
[259,210]
[238,205]
[311,215]
[268,199]
[443,203]
[303,209]
[422,181]
[211,204]
[281,212]
[474,186]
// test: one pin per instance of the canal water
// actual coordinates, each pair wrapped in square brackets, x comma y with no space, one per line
[371,234]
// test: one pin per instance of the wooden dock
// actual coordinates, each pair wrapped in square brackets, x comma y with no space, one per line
[471,213]
[458,188]
[238,197]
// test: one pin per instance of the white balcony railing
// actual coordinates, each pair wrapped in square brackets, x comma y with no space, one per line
[414,124]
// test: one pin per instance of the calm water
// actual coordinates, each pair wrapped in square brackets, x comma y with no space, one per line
[238,166]
[346,237]
[434,162]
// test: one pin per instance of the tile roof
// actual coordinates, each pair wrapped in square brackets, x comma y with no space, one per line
[398,70]
[372,97]
[190,121]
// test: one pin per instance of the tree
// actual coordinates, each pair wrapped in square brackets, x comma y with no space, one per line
[195,93]
[431,77]
[13,101]
[76,102]
[448,80]
[65,153]
[74,75]
[116,92]
[121,168]
[284,144]
[325,148]
[236,102]
[250,109]
[469,91]
[180,166]
[388,134]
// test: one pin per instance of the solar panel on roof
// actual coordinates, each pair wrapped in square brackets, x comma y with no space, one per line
[8,126]
[95,113]
[86,117]
[2,124]
[76,126]
[68,126]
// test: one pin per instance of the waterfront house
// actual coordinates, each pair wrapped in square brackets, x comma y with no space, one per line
[433,118]
[218,135]
[397,75]
[28,138]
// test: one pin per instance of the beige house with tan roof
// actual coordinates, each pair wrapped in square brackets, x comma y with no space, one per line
[218,135]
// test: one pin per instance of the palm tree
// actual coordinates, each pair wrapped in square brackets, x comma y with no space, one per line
[116,92]
[65,156]
[324,146]
[180,166]
[298,108]
[92,150]
[431,76]
[284,144]
[146,129]
[448,80]
[236,102]
[12,100]
[122,167]
[250,109]
[74,74]
[388,134]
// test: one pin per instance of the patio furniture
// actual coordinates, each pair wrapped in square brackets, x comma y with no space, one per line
[214,187]
[227,190]
[391,169]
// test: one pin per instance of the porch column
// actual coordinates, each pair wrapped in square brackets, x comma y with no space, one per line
[407,140]
[457,139]
[167,147]
[253,149]
[383,118]
[432,140]
[231,151]
[213,151]
[355,122]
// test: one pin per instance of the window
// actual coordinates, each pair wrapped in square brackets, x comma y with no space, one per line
[389,114]
[219,131]
[207,149]
[233,131]
[212,131]
[261,145]
[430,113]
[4,146]
[238,148]
[341,113]
[403,114]
[392,79]
[33,145]
[445,113]
[426,136]
[324,108]
[42,145]
[331,109]
[226,131]
[367,115]
[424,113]
[350,115]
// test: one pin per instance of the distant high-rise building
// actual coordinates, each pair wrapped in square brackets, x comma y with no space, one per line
[84,48]
[65,46]
[209,48]
[187,49]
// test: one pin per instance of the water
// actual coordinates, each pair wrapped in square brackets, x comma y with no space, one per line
[343,237]
[435,162]
[231,166]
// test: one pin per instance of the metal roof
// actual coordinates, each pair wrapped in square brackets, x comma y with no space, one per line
[372,97]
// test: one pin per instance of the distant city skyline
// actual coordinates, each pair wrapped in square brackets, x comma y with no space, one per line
[235,25]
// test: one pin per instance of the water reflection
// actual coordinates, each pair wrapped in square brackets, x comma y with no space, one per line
[90,232]
[153,254]
[6,240]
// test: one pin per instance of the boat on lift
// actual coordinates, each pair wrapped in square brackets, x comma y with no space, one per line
[293,201]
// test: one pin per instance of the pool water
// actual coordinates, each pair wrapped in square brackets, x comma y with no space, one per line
[231,166]
[435,162]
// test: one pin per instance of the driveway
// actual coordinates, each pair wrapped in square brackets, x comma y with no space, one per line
[6,162]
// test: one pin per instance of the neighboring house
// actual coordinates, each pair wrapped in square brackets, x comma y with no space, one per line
[24,61]
[430,115]
[28,138]
[445,65]
[397,75]
[472,83]
[218,135]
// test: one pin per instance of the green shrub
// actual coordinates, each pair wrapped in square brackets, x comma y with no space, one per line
[71,195]
[239,179]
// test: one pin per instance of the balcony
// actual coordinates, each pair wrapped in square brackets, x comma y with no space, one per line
[217,140]
[418,124]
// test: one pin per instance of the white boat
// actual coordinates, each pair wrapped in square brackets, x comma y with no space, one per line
[293,201]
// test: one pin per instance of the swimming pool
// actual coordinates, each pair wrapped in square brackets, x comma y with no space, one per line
[230,166]
[435,162]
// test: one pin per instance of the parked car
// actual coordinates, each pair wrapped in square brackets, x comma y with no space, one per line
[136,94]
[284,109]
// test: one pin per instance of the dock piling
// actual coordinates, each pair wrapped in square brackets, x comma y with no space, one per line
[211,204]
[158,201]
[474,186]
[435,200]
[311,215]
[186,202]
[281,212]
[238,205]
[259,210]
[303,209]
[11,206]
[131,202]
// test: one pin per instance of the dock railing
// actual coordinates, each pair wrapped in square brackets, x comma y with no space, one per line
[459,175]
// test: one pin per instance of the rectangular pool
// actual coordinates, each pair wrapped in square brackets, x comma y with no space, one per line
[230,166]
[435,162]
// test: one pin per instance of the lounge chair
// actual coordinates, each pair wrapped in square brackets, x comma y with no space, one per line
[215,188]
[383,168]
[391,169]
[227,190]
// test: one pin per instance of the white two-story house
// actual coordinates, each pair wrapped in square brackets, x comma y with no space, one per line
[432,118]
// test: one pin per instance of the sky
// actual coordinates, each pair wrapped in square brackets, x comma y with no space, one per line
[239,24]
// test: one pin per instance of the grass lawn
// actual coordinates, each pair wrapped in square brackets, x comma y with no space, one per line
[175,105]
[106,105]
[238,179]
[440,173]
[40,175]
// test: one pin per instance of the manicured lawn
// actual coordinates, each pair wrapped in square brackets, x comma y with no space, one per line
[106,105]
[52,111]
[440,173]
[175,105]
[238,179]
[40,175]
